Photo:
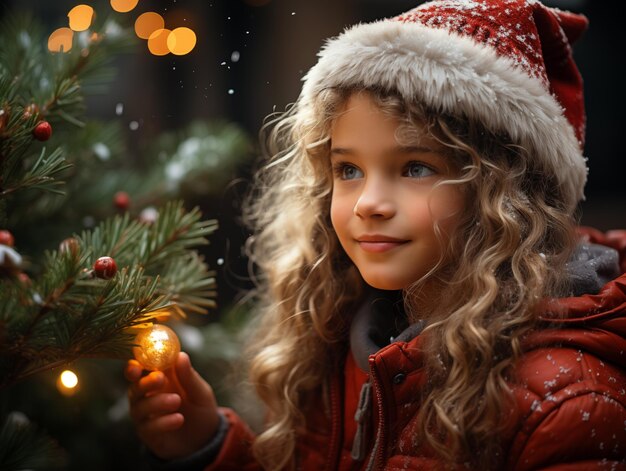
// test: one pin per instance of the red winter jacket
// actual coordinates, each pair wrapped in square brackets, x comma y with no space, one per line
[570,387]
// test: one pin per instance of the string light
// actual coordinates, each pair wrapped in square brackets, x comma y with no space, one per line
[156,347]
[67,383]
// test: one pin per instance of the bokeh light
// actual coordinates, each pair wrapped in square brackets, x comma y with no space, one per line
[157,42]
[147,23]
[80,17]
[181,41]
[69,379]
[123,6]
[67,383]
[60,40]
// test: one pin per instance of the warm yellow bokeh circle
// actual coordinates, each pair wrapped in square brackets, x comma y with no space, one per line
[60,40]
[69,379]
[157,42]
[80,17]
[123,6]
[67,383]
[181,41]
[147,23]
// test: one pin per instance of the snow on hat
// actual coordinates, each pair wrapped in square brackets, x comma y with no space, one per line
[506,63]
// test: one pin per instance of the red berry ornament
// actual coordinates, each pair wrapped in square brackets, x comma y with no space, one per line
[42,131]
[105,268]
[6,238]
[121,200]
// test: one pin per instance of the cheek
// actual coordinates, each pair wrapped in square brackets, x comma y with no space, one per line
[339,214]
[447,206]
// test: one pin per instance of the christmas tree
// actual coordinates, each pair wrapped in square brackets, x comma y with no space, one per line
[93,246]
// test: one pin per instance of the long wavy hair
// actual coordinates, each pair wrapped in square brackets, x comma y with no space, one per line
[506,254]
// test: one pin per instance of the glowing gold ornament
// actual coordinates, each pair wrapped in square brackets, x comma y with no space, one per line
[156,347]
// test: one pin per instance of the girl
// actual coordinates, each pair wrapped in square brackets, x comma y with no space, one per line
[426,302]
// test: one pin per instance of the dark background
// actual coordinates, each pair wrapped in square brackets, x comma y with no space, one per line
[277,41]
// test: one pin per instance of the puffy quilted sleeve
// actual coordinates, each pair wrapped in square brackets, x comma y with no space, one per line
[580,428]
[236,451]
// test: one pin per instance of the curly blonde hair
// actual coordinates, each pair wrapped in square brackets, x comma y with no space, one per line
[510,247]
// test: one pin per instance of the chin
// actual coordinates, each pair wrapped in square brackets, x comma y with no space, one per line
[384,283]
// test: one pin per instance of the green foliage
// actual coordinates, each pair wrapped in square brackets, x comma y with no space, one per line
[64,314]
[36,85]
[23,445]
[68,313]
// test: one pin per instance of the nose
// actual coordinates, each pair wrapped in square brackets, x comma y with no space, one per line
[375,201]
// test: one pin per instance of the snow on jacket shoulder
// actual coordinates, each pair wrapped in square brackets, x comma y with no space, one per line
[571,382]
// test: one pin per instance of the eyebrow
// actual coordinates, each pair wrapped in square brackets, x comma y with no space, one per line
[391,151]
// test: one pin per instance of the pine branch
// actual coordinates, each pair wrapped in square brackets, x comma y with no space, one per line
[41,176]
[193,284]
[37,85]
[68,314]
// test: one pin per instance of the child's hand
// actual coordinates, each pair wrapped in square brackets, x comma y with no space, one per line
[175,411]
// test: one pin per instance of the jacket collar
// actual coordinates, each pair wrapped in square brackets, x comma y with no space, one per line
[381,320]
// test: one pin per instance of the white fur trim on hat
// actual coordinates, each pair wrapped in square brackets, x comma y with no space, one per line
[456,75]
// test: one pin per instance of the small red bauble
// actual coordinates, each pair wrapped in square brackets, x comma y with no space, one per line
[42,131]
[6,238]
[105,268]
[121,200]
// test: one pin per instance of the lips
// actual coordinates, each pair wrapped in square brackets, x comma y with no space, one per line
[379,243]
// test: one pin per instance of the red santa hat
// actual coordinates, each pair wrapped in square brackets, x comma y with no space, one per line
[506,63]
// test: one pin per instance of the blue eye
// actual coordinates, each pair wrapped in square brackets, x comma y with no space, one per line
[417,170]
[346,171]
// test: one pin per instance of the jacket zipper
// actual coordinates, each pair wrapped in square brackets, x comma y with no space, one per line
[380,432]
[336,412]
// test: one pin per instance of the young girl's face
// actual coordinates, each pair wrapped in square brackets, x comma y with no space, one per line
[384,202]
